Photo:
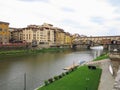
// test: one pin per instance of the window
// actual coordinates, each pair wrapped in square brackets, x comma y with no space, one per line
[0,29]
[0,38]
[26,36]
[29,36]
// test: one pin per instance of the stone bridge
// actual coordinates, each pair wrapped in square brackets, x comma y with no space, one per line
[106,41]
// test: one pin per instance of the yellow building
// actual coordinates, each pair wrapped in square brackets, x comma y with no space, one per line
[68,38]
[57,37]
[4,32]
[60,36]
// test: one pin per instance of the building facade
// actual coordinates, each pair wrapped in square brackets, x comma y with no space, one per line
[68,38]
[42,34]
[4,32]
[16,34]
[60,36]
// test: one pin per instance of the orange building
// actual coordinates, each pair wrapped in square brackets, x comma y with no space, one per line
[4,32]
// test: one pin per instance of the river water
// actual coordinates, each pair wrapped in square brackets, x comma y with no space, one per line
[38,67]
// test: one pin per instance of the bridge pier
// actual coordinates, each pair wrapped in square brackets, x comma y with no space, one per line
[81,46]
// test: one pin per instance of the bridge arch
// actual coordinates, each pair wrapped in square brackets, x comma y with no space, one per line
[114,42]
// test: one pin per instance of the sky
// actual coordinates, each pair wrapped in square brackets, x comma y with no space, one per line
[85,17]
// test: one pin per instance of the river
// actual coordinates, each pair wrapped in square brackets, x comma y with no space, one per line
[38,67]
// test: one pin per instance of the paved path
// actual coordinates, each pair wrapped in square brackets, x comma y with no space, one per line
[107,80]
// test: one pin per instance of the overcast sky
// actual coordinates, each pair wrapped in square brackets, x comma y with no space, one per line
[88,17]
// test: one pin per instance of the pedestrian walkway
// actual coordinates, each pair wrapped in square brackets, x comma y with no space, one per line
[107,80]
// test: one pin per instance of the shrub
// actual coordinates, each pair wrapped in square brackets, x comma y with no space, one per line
[75,67]
[60,76]
[67,72]
[50,80]
[63,74]
[56,77]
[46,82]
[70,70]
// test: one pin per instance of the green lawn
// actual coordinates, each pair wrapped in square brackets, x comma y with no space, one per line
[80,79]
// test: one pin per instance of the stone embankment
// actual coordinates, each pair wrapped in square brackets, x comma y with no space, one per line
[117,81]
[117,78]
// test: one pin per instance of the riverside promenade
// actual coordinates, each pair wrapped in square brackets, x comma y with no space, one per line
[107,80]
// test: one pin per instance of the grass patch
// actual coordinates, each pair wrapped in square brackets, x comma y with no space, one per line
[25,52]
[80,79]
[101,57]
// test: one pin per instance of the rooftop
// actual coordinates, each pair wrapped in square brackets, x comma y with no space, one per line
[1,22]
